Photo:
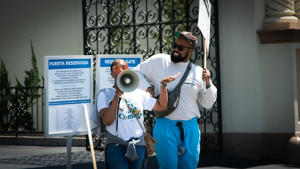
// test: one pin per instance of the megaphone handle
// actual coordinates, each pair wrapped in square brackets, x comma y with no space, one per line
[205,53]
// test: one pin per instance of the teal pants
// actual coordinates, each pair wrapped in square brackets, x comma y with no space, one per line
[168,136]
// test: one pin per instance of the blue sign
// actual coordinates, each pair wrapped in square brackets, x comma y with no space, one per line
[69,63]
[69,102]
[132,62]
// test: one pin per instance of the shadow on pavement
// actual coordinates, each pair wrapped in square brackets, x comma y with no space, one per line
[205,162]
[100,165]
[150,163]
[240,163]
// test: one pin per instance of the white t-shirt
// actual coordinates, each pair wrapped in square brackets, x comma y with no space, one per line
[128,126]
[193,89]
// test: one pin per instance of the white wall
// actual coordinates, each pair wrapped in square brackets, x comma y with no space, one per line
[242,98]
[278,87]
[55,27]
[257,94]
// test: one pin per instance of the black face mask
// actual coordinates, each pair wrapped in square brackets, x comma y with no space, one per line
[179,58]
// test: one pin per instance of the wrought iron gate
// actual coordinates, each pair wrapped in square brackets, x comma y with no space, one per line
[147,27]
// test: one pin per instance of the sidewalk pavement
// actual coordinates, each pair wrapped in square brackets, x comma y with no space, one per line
[43,157]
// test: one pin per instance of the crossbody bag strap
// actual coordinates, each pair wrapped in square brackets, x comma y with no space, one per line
[117,114]
[187,70]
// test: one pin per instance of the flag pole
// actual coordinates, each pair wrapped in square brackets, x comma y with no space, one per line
[85,109]
[205,52]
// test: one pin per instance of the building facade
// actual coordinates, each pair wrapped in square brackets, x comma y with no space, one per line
[259,81]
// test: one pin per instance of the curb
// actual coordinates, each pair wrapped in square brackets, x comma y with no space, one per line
[41,141]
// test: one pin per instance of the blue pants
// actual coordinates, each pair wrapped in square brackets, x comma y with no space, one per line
[115,156]
[167,134]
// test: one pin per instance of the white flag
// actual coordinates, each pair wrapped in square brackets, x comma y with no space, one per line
[204,20]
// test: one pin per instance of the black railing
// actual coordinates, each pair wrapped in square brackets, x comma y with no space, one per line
[21,110]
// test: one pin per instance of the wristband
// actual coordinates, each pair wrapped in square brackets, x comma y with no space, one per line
[208,86]
[163,85]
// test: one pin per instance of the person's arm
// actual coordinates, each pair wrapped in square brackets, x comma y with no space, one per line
[150,91]
[208,97]
[108,114]
[208,94]
[162,102]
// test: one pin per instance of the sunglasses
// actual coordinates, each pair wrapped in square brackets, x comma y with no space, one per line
[179,47]
[118,68]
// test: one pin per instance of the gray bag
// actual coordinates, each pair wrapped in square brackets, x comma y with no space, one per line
[131,153]
[173,96]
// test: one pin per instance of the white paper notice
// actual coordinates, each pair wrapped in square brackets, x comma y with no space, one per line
[68,81]
[68,85]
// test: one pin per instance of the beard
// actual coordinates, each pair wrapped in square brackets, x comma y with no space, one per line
[178,58]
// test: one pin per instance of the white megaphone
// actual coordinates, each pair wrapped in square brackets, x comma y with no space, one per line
[127,81]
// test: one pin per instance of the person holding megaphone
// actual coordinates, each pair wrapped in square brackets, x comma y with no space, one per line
[121,110]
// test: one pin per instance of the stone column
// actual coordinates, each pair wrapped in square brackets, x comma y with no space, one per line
[294,142]
[281,14]
[280,11]
[297,8]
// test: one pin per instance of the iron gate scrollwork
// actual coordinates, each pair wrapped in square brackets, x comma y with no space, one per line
[147,27]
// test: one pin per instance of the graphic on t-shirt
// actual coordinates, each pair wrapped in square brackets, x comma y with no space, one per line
[127,113]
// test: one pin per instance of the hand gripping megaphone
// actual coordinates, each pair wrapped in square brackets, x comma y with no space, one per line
[127,81]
